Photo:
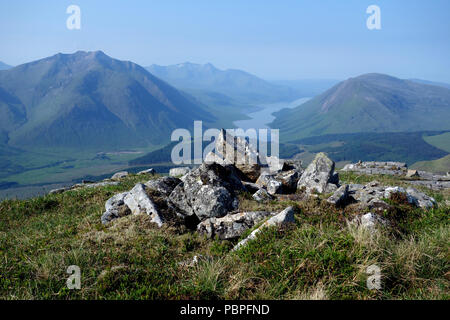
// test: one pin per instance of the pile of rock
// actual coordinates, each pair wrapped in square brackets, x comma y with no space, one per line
[206,198]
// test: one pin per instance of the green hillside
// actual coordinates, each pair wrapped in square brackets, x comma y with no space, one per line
[368,103]
[441,165]
[441,141]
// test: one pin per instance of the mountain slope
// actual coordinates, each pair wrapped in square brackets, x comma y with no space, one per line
[432,83]
[236,84]
[90,100]
[308,87]
[368,103]
[441,165]
[4,66]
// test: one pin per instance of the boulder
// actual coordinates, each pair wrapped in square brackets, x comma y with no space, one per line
[178,172]
[163,185]
[284,217]
[262,195]
[231,226]
[319,176]
[119,175]
[138,201]
[208,191]
[340,196]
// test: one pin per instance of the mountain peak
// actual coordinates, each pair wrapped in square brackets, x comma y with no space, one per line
[371,102]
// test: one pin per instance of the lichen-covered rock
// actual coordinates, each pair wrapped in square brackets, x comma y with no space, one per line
[420,199]
[231,226]
[340,196]
[163,185]
[319,176]
[262,195]
[208,191]
[284,217]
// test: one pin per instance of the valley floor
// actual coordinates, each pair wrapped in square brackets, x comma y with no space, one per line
[319,257]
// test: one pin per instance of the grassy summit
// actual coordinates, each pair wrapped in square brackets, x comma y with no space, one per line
[319,257]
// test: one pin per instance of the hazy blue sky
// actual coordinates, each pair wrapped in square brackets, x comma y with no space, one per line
[273,39]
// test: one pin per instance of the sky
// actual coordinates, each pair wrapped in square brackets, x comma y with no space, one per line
[276,40]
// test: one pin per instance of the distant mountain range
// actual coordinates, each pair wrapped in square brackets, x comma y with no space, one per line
[368,103]
[4,66]
[90,100]
[211,84]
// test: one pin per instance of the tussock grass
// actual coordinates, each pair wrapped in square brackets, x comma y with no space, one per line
[320,257]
